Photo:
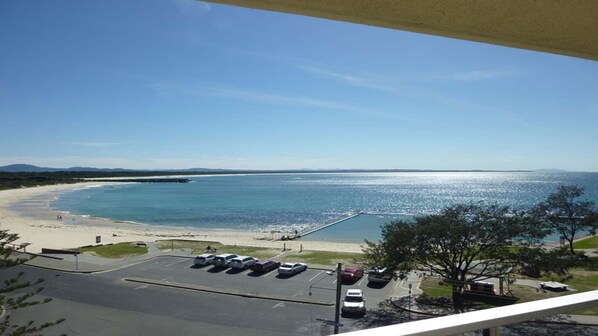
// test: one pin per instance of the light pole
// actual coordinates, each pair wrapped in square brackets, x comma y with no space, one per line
[338,297]
[409,301]
[338,294]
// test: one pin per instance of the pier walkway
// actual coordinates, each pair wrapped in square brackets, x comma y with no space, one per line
[325,225]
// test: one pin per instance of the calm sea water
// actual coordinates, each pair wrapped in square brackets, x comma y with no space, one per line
[300,201]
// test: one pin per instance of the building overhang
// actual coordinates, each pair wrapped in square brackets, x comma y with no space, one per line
[566,27]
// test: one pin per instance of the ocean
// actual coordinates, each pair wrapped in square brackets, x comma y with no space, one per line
[288,202]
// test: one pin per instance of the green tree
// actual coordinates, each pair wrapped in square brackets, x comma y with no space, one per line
[463,243]
[563,212]
[9,303]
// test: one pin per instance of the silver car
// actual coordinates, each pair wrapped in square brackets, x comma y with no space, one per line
[222,260]
[242,262]
[292,268]
[204,259]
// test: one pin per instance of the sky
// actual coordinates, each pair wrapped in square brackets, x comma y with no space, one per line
[173,84]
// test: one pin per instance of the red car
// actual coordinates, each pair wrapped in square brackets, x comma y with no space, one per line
[352,274]
[265,266]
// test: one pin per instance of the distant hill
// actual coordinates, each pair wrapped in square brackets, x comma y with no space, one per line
[27,168]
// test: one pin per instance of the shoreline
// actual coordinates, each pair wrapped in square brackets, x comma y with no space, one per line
[26,212]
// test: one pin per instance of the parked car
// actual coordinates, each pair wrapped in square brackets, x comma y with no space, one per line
[354,302]
[380,275]
[242,262]
[204,259]
[292,268]
[352,274]
[265,266]
[222,260]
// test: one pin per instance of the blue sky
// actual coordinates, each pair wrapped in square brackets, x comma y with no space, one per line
[181,84]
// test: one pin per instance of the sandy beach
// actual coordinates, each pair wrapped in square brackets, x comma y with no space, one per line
[26,212]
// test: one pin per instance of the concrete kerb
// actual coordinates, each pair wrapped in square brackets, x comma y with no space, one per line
[63,270]
[99,270]
[231,293]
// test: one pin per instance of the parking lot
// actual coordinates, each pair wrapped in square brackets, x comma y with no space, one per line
[316,285]
[104,303]
[227,302]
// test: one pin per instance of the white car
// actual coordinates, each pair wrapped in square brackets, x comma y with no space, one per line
[292,268]
[204,259]
[354,302]
[242,262]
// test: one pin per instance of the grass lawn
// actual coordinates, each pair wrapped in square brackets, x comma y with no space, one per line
[309,257]
[527,293]
[582,281]
[325,258]
[119,250]
[589,243]
[200,247]
[435,288]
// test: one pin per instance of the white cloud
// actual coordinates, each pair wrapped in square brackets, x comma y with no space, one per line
[352,79]
[381,80]
[270,98]
[480,75]
[389,83]
[167,89]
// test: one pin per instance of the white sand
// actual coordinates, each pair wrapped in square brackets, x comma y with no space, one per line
[26,212]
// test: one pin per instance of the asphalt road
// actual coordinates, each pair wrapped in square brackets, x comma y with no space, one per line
[105,304]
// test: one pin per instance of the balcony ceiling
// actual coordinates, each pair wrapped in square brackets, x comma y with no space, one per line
[567,27]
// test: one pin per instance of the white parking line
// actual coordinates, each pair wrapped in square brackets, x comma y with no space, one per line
[278,305]
[298,293]
[141,287]
[360,281]
[272,271]
[177,262]
[315,276]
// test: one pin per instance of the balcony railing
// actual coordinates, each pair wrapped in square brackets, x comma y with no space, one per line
[488,318]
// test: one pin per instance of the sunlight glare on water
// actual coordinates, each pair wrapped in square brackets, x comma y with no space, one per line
[279,201]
